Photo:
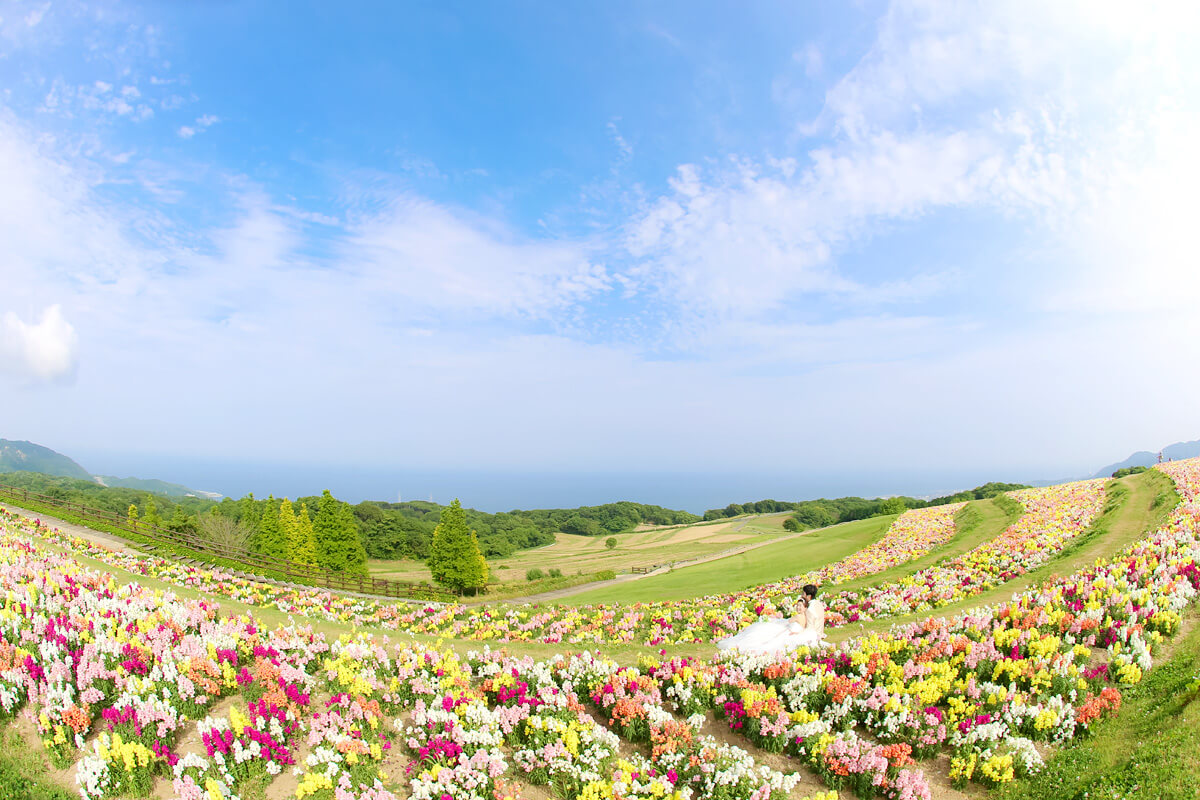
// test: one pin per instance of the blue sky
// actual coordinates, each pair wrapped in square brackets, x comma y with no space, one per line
[901,238]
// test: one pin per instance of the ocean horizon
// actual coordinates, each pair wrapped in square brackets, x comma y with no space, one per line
[506,490]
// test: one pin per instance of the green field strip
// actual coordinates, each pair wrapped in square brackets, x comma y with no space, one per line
[1136,505]
[772,562]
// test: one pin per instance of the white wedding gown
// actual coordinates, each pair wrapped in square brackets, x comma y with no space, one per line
[778,635]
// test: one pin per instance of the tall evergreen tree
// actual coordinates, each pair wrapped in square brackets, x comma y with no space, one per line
[305,549]
[454,557]
[151,517]
[289,528]
[335,536]
[269,540]
[248,512]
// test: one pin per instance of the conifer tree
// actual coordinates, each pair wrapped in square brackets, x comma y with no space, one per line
[248,512]
[305,549]
[269,540]
[289,528]
[151,516]
[132,513]
[335,536]
[454,557]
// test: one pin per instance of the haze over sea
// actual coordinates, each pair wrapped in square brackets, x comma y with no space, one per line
[505,490]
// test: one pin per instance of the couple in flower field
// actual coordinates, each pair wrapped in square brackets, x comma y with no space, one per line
[806,628]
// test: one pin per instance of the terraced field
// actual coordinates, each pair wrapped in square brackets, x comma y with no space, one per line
[589,554]
[996,644]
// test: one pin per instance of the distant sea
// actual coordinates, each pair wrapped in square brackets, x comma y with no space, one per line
[505,490]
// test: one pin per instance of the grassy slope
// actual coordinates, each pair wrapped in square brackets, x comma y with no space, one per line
[1136,505]
[762,565]
[1150,749]
[24,769]
[979,521]
[573,554]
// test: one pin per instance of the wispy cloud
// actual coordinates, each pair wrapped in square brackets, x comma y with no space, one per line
[432,257]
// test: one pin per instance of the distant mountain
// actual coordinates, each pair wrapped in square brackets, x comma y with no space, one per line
[156,486]
[1144,458]
[30,457]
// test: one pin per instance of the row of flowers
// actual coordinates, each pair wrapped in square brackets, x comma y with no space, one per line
[1054,515]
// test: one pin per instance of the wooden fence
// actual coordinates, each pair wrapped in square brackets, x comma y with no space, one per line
[157,538]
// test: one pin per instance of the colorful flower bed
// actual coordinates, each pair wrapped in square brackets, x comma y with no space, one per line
[138,685]
[1054,515]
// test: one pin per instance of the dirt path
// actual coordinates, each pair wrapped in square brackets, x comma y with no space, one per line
[95,537]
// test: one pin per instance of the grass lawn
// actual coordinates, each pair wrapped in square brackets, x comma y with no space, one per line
[762,565]
[1150,749]
[24,769]
[589,554]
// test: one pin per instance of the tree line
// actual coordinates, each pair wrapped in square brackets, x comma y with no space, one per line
[823,512]
[383,530]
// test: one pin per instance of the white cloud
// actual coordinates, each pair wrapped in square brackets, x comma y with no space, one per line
[432,257]
[752,236]
[186,132]
[35,15]
[43,351]
[1076,120]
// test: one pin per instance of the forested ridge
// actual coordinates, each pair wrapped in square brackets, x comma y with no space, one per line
[405,530]
[824,511]
[386,530]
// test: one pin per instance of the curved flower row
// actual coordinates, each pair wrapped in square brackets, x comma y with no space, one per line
[681,763]
[913,534]
[1053,516]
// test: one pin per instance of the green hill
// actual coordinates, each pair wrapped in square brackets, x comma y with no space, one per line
[16,456]
[155,486]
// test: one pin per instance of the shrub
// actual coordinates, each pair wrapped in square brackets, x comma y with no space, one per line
[610,542]
[534,574]
[605,575]
[555,572]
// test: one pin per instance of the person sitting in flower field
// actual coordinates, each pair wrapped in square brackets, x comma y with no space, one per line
[778,634]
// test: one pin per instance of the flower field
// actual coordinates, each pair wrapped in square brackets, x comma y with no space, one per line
[115,675]
[141,687]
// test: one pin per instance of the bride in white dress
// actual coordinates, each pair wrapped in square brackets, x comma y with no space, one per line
[781,634]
